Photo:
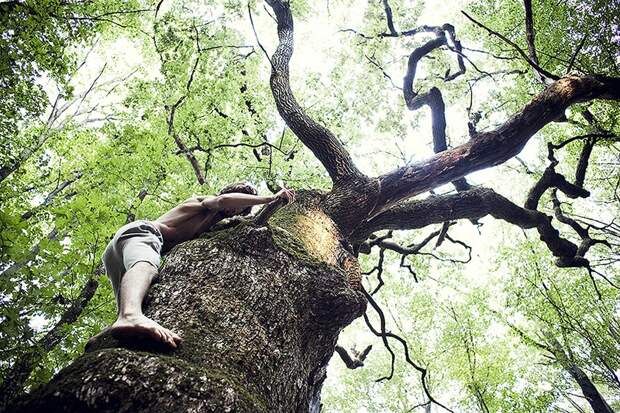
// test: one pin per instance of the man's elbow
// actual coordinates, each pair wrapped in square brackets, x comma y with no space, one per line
[215,203]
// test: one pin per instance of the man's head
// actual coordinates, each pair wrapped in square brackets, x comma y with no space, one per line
[239,187]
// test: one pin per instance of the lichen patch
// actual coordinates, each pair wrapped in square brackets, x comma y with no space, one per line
[319,235]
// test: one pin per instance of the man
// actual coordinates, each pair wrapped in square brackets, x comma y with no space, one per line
[132,258]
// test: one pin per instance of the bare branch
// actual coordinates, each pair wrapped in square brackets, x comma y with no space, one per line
[256,36]
[473,204]
[378,66]
[534,65]
[358,358]
[571,63]
[384,336]
[52,195]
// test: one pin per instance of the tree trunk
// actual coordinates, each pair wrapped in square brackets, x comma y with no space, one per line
[591,393]
[588,388]
[260,310]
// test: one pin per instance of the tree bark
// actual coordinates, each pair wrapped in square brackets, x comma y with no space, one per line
[260,310]
[588,388]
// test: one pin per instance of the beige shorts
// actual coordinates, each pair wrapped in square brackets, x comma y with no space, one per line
[135,242]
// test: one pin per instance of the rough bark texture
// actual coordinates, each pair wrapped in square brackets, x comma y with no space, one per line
[260,310]
[320,140]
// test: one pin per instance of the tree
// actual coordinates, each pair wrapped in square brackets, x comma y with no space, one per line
[36,36]
[264,304]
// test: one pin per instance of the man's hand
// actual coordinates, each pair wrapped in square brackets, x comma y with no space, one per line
[285,194]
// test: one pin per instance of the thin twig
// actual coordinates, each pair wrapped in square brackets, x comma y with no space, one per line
[515,46]
[257,40]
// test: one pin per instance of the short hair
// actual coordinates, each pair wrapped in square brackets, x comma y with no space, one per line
[240,187]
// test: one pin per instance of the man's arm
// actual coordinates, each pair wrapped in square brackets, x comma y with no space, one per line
[237,200]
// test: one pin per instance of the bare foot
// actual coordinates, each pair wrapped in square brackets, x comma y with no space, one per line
[140,325]
[94,338]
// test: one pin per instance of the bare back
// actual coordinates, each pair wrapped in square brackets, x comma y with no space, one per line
[184,222]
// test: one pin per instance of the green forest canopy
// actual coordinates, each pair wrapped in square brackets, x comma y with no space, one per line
[112,111]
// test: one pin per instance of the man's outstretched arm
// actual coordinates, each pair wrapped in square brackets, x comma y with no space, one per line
[236,200]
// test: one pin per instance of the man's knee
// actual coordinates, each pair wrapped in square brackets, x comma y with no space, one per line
[145,268]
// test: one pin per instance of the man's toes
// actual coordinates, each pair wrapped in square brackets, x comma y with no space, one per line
[158,334]
[169,339]
[173,342]
[166,336]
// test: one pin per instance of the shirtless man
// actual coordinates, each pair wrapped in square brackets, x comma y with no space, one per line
[132,258]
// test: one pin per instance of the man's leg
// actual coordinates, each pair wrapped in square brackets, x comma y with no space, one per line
[134,285]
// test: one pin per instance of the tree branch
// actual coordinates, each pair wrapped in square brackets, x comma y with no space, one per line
[172,111]
[323,144]
[52,195]
[531,38]
[529,30]
[389,18]
[384,336]
[358,358]
[491,148]
[473,204]
[433,98]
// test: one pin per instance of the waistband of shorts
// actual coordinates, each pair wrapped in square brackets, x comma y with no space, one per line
[150,225]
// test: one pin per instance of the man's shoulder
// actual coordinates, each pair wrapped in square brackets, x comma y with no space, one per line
[201,198]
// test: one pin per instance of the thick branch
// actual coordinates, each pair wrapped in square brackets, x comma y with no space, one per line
[582,165]
[552,179]
[531,38]
[591,393]
[491,148]
[433,98]
[323,144]
[389,18]
[529,30]
[473,204]
[586,241]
